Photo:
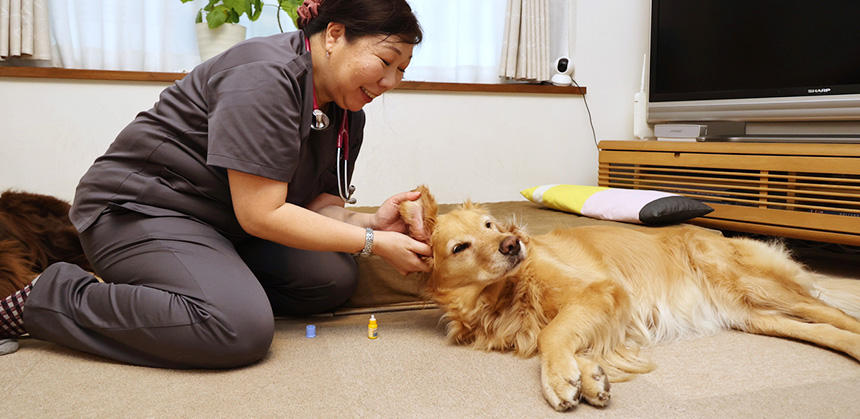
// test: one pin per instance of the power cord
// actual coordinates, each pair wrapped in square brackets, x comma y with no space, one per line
[590,121]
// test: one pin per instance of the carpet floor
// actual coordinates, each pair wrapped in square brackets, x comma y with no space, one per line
[410,371]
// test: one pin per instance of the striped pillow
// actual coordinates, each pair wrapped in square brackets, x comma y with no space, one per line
[627,205]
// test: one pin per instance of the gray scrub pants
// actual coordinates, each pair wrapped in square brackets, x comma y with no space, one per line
[178,294]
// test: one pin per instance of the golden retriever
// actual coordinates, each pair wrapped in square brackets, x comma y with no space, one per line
[587,298]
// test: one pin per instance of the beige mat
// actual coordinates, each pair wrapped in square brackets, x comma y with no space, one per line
[411,372]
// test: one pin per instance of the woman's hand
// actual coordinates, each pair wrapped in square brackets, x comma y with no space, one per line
[401,251]
[388,218]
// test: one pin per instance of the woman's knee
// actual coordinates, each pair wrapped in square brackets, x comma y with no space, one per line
[323,288]
[240,338]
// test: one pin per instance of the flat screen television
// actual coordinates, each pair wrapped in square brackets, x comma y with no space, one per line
[754,60]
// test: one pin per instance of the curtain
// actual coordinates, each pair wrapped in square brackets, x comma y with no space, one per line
[155,35]
[526,41]
[461,41]
[24,30]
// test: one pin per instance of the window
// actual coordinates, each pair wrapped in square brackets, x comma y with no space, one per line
[462,39]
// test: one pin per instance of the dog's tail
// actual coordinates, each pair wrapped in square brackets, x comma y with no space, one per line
[624,363]
[842,293]
[622,359]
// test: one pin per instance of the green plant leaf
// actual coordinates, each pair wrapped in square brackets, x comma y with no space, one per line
[290,6]
[199,16]
[236,6]
[257,7]
[217,16]
[232,16]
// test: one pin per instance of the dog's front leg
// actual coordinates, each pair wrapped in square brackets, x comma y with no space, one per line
[567,376]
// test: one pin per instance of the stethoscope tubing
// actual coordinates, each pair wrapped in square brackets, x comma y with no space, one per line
[320,121]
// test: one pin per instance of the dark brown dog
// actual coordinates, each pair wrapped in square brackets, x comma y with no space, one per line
[35,232]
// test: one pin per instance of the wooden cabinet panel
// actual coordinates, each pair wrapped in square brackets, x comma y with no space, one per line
[808,191]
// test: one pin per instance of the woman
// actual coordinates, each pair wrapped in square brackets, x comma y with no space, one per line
[221,205]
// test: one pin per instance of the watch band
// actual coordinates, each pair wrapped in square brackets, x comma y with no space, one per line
[368,242]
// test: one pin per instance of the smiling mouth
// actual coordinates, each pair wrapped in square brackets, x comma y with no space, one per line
[367,92]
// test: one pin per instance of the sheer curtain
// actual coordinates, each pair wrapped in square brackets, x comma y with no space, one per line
[151,35]
[462,41]
[155,35]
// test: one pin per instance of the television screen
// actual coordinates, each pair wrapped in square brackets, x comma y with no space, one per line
[729,49]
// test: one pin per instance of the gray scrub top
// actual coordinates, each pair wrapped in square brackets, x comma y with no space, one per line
[247,109]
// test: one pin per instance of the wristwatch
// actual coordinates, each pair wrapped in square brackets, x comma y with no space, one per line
[368,242]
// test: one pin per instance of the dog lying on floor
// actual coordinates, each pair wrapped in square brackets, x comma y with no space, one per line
[35,232]
[588,298]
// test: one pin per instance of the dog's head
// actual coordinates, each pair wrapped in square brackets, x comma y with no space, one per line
[470,247]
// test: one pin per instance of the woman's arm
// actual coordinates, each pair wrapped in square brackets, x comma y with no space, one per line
[387,216]
[332,206]
[261,208]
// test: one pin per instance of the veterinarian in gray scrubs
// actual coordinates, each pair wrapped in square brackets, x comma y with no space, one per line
[221,205]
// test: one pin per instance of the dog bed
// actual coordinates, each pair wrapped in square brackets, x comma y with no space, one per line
[382,287]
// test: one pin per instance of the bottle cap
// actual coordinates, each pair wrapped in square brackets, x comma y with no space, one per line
[310,331]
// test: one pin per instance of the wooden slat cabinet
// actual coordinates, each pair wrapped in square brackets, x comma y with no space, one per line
[805,191]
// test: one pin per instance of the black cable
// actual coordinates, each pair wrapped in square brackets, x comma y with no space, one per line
[590,121]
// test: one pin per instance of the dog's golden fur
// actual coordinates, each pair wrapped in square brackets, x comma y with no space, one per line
[588,298]
[35,232]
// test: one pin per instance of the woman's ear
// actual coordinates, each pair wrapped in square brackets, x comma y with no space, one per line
[420,214]
[333,33]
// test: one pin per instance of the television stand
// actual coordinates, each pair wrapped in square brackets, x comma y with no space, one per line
[830,138]
[804,191]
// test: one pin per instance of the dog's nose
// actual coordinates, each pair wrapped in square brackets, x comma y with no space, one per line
[510,246]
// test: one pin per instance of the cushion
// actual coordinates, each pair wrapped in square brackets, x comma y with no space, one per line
[628,205]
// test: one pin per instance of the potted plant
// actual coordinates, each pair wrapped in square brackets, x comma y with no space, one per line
[222,29]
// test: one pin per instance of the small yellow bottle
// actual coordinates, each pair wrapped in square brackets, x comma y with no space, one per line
[371,327]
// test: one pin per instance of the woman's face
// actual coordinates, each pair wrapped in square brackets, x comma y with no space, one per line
[365,68]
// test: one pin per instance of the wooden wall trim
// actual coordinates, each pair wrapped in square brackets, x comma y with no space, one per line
[145,76]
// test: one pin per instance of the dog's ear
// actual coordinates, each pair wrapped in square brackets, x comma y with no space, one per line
[420,215]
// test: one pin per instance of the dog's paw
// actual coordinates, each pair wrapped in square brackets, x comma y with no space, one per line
[595,384]
[562,383]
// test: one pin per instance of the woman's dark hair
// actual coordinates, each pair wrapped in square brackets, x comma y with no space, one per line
[367,17]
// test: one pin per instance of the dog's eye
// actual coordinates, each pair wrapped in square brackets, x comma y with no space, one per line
[460,247]
[488,224]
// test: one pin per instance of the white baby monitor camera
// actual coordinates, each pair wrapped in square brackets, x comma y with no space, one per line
[563,67]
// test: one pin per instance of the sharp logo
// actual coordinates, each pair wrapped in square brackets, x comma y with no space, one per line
[819,90]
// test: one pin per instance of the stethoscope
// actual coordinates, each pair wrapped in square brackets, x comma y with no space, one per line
[319,122]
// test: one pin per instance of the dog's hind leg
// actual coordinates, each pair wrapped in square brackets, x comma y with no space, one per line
[822,334]
[821,313]
[768,279]
[792,296]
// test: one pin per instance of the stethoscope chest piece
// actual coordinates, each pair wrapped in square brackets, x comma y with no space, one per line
[319,120]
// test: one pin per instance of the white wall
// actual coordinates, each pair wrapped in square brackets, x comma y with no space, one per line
[485,147]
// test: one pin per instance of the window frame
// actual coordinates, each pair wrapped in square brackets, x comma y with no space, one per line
[147,76]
